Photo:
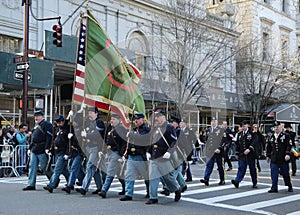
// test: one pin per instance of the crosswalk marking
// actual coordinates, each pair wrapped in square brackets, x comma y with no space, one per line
[198,188]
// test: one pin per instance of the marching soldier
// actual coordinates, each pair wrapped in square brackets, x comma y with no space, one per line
[60,150]
[214,152]
[278,155]
[246,155]
[137,161]
[189,146]
[116,146]
[292,134]
[228,135]
[39,149]
[163,139]
[76,158]
[92,139]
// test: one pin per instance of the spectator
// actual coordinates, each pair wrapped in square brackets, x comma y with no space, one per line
[6,156]
[22,140]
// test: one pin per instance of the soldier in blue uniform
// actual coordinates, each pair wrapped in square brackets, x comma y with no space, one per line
[39,148]
[91,136]
[246,155]
[228,135]
[75,156]
[61,143]
[137,161]
[116,146]
[214,152]
[163,138]
[278,155]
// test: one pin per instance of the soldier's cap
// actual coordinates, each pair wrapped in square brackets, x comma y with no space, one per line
[94,109]
[139,116]
[38,113]
[183,120]
[244,123]
[160,112]
[115,115]
[276,123]
[59,118]
[174,119]
[213,118]
[287,125]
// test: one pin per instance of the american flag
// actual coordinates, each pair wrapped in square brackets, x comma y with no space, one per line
[80,67]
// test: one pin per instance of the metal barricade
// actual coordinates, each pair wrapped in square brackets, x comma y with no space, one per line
[8,160]
[21,158]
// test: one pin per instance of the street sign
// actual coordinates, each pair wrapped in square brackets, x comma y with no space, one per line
[22,66]
[18,75]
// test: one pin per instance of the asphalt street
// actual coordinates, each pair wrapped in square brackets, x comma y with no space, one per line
[198,199]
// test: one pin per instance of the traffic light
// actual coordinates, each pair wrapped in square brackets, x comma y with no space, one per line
[57,34]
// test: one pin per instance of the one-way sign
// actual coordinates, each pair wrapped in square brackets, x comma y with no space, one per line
[22,66]
[19,76]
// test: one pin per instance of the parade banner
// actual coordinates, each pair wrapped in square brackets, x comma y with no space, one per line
[104,78]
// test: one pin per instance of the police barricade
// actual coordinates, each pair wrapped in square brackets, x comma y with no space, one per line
[21,159]
[7,160]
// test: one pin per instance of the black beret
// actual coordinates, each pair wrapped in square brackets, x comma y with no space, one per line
[94,109]
[276,123]
[117,116]
[174,119]
[139,116]
[287,125]
[38,113]
[59,118]
[244,123]
[160,112]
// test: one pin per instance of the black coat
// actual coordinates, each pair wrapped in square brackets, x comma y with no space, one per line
[278,148]
[245,141]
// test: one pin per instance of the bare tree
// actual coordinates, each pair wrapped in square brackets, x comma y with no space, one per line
[193,50]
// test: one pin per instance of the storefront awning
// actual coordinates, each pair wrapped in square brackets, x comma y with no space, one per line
[288,114]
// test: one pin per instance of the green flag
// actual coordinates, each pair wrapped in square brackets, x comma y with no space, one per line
[108,77]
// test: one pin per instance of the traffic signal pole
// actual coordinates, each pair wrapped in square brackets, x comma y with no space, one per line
[25,59]
[27,6]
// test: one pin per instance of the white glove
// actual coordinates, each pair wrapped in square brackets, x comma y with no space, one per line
[28,152]
[66,157]
[83,106]
[47,152]
[70,114]
[148,156]
[83,133]
[100,154]
[167,155]
[123,158]
[70,135]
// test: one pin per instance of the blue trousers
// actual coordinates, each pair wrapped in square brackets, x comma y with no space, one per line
[284,168]
[242,167]
[75,164]
[61,167]
[210,166]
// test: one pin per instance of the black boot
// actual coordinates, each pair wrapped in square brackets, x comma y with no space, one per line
[177,195]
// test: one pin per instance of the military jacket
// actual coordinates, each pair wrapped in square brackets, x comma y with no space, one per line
[186,139]
[94,133]
[159,147]
[278,148]
[137,142]
[61,141]
[41,137]
[245,141]
[214,137]
[116,139]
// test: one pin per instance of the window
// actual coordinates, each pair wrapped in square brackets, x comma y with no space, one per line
[265,49]
[284,6]
[284,53]
[10,44]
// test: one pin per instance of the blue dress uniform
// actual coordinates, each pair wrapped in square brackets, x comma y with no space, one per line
[245,141]
[159,166]
[91,143]
[137,161]
[214,141]
[279,145]
[293,158]
[116,146]
[60,150]
[40,141]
